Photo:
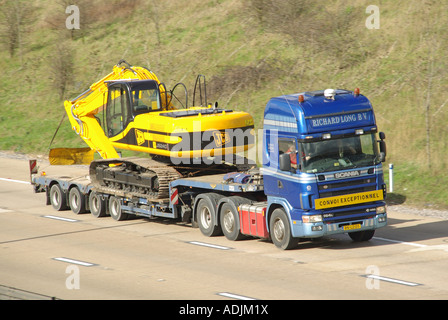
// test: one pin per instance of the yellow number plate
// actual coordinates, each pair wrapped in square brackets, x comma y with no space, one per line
[352,227]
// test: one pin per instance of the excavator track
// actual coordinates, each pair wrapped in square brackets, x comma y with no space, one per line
[133,177]
[147,178]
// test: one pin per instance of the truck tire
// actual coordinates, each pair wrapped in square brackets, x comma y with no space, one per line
[229,217]
[206,217]
[230,222]
[280,230]
[97,205]
[115,209]
[58,198]
[360,236]
[77,201]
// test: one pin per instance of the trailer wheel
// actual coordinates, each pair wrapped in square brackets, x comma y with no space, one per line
[97,205]
[280,230]
[115,209]
[360,236]
[58,198]
[77,201]
[206,218]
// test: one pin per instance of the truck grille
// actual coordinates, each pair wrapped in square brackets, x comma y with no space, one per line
[337,188]
[348,213]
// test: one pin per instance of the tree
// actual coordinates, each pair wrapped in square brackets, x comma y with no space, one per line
[61,67]
[14,16]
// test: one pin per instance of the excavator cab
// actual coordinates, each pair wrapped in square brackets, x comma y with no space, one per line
[126,100]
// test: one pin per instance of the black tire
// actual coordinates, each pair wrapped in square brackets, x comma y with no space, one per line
[58,198]
[230,221]
[206,217]
[115,209]
[360,236]
[280,230]
[77,201]
[97,205]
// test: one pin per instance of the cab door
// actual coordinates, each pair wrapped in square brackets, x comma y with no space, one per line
[281,182]
[287,182]
[117,110]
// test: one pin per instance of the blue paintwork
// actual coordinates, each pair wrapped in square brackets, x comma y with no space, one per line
[317,115]
[286,117]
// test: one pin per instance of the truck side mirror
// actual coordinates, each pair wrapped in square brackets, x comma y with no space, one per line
[382,144]
[285,162]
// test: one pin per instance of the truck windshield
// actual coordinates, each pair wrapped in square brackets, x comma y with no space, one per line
[339,154]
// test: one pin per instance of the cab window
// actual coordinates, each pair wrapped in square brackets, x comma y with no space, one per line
[288,146]
[145,100]
[117,110]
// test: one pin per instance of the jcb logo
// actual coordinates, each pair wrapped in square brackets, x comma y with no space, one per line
[221,138]
[139,136]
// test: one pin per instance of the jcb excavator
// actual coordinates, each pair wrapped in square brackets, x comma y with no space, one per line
[131,109]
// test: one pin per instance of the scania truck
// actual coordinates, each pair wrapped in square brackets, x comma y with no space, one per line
[320,174]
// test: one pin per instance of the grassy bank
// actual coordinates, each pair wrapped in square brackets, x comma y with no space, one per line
[249,51]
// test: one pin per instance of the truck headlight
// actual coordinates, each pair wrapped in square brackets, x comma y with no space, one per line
[312,219]
[381,209]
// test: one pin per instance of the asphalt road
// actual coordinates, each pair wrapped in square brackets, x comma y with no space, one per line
[48,254]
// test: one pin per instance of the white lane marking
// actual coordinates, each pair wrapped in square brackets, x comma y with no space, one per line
[72,261]
[234,296]
[209,245]
[16,181]
[421,247]
[60,218]
[402,242]
[4,210]
[406,283]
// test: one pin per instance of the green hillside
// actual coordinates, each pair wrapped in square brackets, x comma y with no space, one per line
[249,51]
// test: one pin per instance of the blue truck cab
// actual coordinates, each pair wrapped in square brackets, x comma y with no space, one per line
[322,166]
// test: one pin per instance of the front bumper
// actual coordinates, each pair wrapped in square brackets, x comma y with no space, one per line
[320,229]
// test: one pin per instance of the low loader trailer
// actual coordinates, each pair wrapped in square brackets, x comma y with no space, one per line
[321,174]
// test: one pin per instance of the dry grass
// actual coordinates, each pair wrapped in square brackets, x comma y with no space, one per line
[248,56]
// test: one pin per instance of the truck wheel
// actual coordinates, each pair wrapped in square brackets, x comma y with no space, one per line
[206,218]
[360,236]
[230,222]
[280,230]
[115,209]
[77,201]
[58,198]
[97,205]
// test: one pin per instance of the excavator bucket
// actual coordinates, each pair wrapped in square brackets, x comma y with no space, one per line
[70,156]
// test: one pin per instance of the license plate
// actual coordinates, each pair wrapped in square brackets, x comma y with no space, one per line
[352,227]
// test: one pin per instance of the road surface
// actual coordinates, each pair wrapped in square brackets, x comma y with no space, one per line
[49,254]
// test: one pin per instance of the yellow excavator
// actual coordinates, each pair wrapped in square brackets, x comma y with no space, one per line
[131,109]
